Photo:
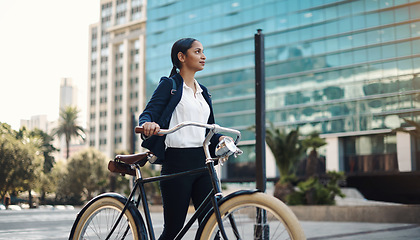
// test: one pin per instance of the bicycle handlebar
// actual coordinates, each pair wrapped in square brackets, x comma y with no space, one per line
[213,128]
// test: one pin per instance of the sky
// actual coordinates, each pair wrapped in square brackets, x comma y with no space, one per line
[42,42]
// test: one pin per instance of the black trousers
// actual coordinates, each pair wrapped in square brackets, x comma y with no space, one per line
[177,192]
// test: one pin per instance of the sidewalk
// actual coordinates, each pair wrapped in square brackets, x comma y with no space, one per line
[354,208]
[318,230]
[351,218]
[357,230]
[355,217]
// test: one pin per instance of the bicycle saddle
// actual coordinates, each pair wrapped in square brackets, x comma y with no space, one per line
[139,158]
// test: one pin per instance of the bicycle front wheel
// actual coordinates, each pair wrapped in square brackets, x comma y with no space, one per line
[254,216]
[99,216]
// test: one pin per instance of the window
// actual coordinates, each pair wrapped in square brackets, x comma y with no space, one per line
[415,11]
[415,45]
[344,25]
[371,5]
[370,153]
[374,53]
[388,51]
[372,20]
[403,31]
[360,56]
[387,17]
[403,49]
[358,22]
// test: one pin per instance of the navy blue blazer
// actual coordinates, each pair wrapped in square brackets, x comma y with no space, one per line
[159,109]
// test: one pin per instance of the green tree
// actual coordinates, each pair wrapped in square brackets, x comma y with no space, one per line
[34,143]
[45,180]
[20,160]
[313,142]
[12,159]
[86,174]
[67,126]
[313,192]
[54,181]
[46,147]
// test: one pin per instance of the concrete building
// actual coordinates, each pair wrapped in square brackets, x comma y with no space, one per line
[39,121]
[116,70]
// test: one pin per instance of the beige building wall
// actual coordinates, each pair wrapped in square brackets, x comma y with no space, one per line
[116,74]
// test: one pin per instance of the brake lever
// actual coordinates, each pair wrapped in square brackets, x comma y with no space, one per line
[237,152]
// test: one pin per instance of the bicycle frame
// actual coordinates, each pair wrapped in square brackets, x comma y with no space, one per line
[214,196]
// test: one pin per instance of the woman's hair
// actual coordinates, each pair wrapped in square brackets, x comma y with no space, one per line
[182,45]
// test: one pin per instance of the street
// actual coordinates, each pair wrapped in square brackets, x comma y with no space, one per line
[55,223]
[36,223]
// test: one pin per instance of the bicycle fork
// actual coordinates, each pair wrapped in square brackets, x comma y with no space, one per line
[145,206]
[121,215]
[217,197]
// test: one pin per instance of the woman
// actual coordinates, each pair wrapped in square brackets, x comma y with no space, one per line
[183,149]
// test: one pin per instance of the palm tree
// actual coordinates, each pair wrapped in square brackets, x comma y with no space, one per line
[287,149]
[313,142]
[67,126]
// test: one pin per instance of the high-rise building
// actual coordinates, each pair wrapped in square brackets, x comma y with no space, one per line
[116,69]
[68,93]
[347,69]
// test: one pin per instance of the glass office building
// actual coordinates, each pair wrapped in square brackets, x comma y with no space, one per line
[347,69]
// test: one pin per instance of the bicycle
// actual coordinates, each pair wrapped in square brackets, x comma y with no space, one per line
[245,214]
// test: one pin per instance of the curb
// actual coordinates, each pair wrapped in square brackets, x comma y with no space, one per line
[373,214]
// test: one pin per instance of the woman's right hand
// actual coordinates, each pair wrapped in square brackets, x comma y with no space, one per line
[150,128]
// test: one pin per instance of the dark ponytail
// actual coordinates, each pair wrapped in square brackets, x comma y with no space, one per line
[182,45]
[173,71]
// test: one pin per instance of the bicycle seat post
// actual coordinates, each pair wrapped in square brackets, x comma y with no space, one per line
[138,173]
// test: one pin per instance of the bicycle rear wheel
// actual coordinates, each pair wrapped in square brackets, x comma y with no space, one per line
[99,216]
[245,211]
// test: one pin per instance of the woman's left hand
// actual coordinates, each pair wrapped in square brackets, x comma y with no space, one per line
[222,137]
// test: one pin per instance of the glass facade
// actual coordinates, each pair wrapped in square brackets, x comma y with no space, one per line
[331,66]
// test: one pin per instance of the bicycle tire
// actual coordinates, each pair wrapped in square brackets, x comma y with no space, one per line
[98,216]
[282,222]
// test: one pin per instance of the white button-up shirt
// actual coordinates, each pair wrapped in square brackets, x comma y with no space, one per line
[192,107]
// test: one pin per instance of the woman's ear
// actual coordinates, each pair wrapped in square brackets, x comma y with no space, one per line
[181,57]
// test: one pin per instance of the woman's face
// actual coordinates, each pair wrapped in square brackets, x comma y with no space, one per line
[194,59]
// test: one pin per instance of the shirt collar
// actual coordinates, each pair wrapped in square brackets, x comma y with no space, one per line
[199,90]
